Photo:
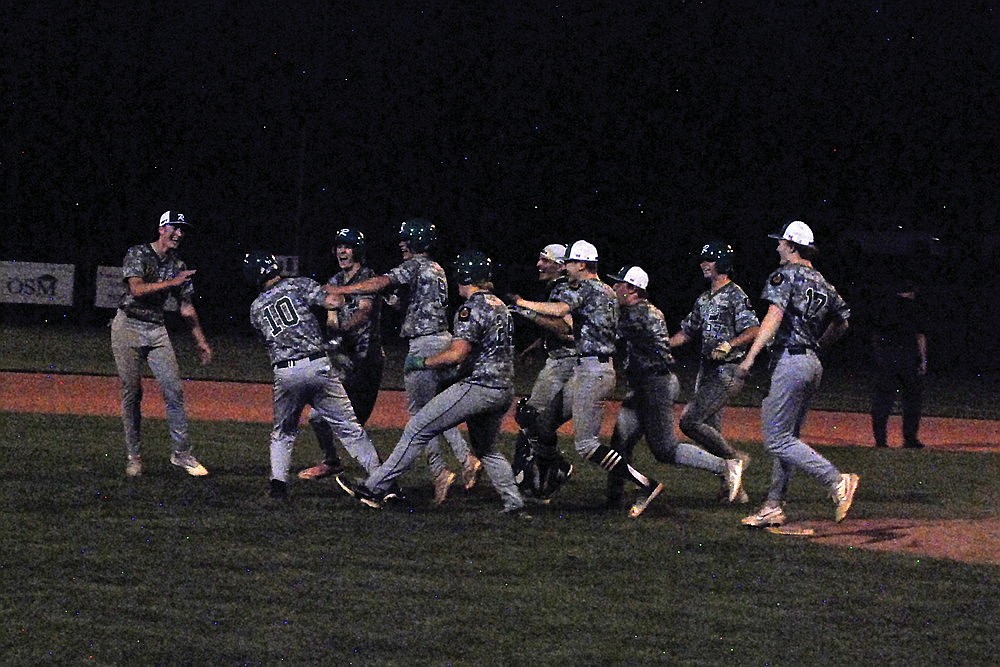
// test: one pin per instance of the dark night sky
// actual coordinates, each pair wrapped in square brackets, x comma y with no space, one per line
[645,128]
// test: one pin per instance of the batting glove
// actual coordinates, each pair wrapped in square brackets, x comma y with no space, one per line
[414,363]
[721,350]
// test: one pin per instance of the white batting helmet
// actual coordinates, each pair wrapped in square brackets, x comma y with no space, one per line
[796,231]
[633,275]
[581,251]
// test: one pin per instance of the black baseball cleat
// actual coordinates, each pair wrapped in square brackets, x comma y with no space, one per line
[394,494]
[913,444]
[359,492]
[277,494]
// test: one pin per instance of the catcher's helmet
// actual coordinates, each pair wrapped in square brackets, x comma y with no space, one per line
[473,266]
[259,267]
[352,238]
[419,234]
[581,251]
[720,253]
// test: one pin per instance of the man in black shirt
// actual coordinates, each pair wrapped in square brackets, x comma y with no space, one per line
[900,351]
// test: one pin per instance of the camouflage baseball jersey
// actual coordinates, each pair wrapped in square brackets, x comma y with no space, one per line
[357,342]
[484,321]
[141,261]
[283,318]
[808,301]
[720,316]
[558,347]
[427,310]
[642,332]
[594,308]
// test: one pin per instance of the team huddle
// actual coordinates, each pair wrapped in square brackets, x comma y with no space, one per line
[463,371]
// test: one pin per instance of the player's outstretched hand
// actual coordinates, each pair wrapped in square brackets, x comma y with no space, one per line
[510,299]
[743,369]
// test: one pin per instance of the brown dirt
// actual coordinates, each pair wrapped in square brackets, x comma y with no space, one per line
[975,541]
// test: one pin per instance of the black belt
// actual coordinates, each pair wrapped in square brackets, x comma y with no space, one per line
[602,358]
[288,363]
[798,349]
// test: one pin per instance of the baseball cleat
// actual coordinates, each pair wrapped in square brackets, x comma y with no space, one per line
[190,464]
[649,493]
[768,515]
[471,471]
[734,478]
[359,492]
[442,483]
[133,467]
[843,495]
[321,470]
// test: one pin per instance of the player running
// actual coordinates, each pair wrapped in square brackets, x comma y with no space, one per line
[483,344]
[805,316]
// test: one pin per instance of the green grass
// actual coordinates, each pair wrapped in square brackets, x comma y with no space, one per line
[63,348]
[168,569]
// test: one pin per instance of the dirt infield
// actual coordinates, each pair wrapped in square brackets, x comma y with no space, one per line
[967,540]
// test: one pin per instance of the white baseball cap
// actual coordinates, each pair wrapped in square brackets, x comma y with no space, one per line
[173,218]
[633,275]
[796,231]
[581,251]
[554,252]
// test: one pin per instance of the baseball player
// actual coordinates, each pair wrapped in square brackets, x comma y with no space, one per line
[483,344]
[541,414]
[302,374]
[804,316]
[725,323]
[648,407]
[426,326]
[356,347]
[594,309]
[156,280]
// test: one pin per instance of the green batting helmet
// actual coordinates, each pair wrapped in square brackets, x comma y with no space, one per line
[419,234]
[473,266]
[721,253]
[259,267]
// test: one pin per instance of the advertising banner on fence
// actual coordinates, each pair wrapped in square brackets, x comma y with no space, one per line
[34,282]
[109,286]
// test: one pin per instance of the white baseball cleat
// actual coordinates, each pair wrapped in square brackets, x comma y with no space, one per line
[768,515]
[190,464]
[843,495]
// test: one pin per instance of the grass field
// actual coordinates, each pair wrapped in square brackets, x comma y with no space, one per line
[168,569]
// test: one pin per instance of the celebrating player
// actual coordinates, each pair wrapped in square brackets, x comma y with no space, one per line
[356,347]
[302,374]
[483,344]
[805,316]
[541,414]
[725,322]
[156,280]
[648,407]
[426,327]
[594,309]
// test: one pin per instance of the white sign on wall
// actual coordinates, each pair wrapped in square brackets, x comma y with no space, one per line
[34,282]
[109,286]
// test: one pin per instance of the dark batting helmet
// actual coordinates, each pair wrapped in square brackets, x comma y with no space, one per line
[473,266]
[419,234]
[259,267]
[352,238]
[721,253]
